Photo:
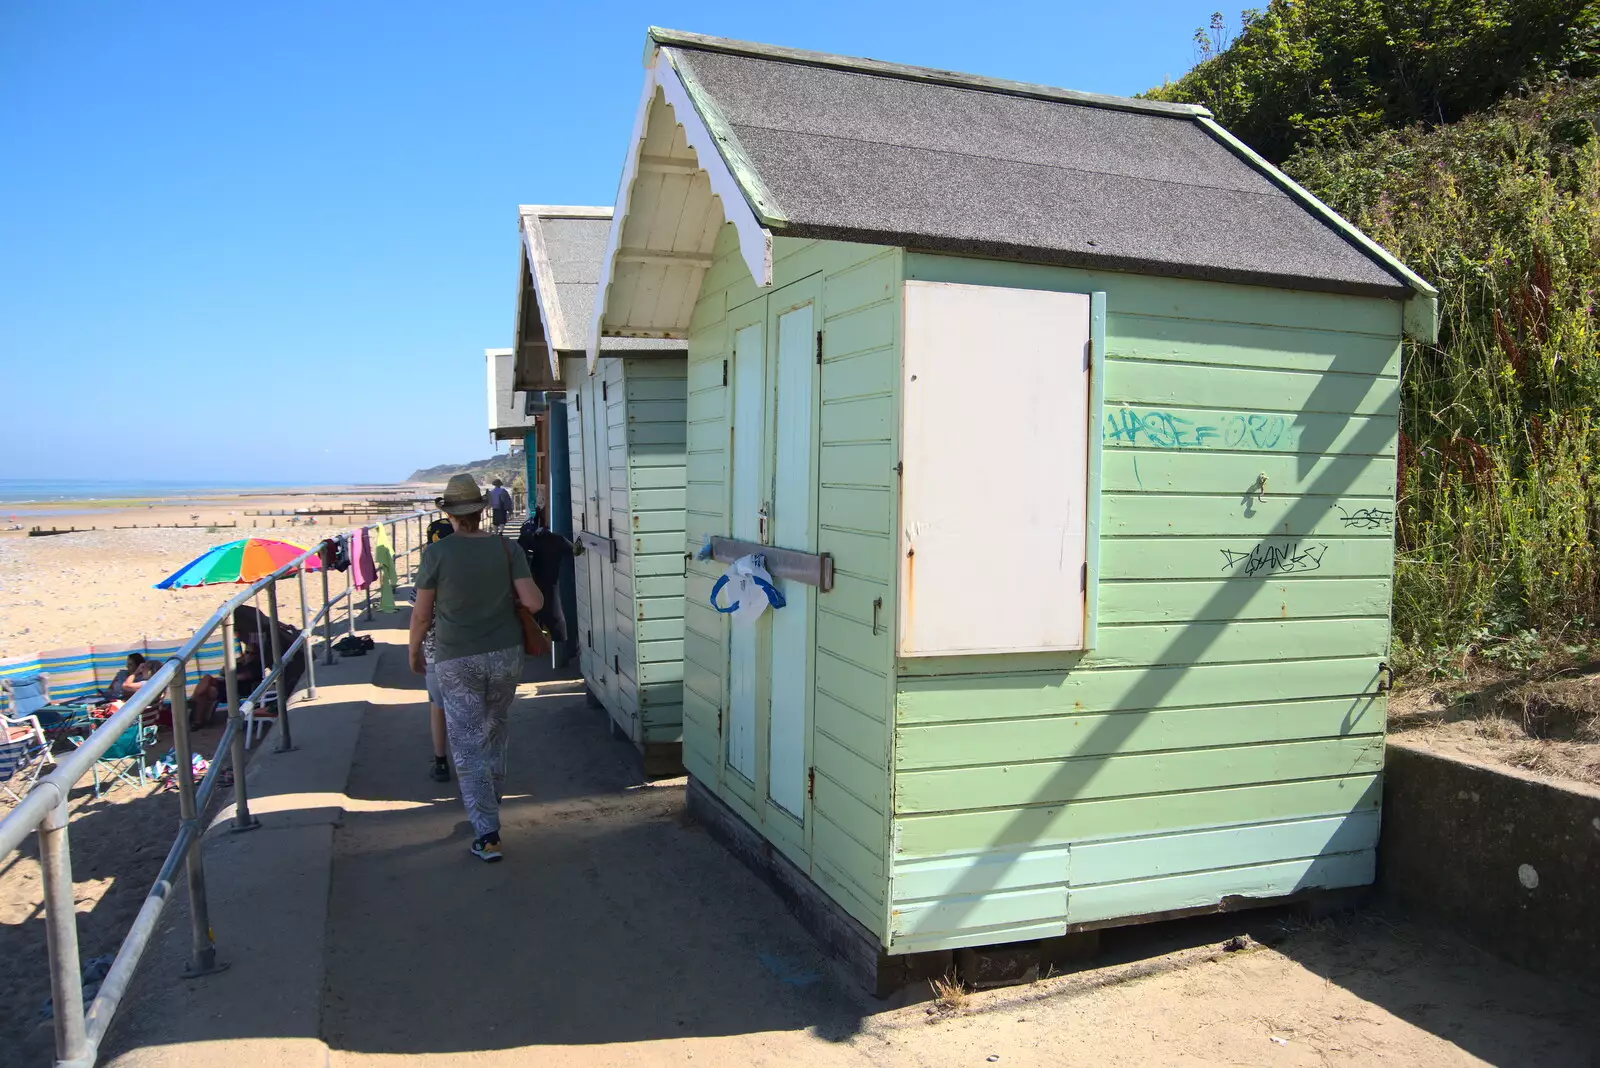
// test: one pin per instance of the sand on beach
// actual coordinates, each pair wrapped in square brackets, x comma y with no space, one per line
[95,587]
[89,588]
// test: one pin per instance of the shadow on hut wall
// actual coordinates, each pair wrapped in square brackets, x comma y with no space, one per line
[1363,437]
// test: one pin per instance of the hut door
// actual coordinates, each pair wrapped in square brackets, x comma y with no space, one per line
[774,503]
[794,340]
[596,461]
[748,325]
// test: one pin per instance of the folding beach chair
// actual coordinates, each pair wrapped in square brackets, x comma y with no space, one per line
[124,760]
[24,754]
[25,695]
[259,718]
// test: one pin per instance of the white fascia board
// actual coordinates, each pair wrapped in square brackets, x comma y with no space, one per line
[489,360]
[544,291]
[1421,314]
[755,240]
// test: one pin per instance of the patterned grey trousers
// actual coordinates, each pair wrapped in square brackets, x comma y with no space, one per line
[478,691]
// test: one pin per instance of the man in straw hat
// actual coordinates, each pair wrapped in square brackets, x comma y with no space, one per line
[467,588]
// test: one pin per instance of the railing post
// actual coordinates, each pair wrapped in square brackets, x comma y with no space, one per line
[242,820]
[61,936]
[202,950]
[350,599]
[327,618]
[309,630]
[285,740]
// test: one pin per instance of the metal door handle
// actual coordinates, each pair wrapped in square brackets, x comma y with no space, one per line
[761,525]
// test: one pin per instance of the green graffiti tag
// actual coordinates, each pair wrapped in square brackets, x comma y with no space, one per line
[1245,431]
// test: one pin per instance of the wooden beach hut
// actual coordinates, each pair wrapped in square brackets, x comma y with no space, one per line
[623,433]
[1067,425]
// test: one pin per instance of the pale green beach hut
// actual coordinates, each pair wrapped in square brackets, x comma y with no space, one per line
[620,427]
[1067,425]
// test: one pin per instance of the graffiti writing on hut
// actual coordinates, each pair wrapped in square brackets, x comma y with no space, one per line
[1251,431]
[1274,558]
[1367,518]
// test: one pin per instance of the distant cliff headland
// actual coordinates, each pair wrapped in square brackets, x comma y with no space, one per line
[505,468]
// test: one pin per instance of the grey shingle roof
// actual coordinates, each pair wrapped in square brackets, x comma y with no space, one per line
[864,155]
[575,247]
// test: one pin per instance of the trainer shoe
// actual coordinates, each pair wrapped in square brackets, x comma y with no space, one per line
[441,770]
[486,849]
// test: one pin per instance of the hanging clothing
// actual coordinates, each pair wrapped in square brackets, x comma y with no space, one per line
[383,553]
[363,571]
[335,553]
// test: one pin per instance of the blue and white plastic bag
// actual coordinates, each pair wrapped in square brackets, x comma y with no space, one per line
[750,590]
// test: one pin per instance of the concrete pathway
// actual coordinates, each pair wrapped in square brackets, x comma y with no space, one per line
[611,922]
[362,933]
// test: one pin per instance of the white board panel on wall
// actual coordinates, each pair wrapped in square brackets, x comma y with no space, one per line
[995,484]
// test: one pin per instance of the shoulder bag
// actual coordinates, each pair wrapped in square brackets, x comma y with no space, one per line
[535,642]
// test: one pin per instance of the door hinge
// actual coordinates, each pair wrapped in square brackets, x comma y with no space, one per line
[811,782]
[616,663]
[719,723]
[724,372]
[1083,576]
[588,636]
[819,348]
[577,399]
[603,393]
[900,468]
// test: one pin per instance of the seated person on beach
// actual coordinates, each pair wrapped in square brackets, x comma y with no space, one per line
[254,634]
[212,690]
[120,688]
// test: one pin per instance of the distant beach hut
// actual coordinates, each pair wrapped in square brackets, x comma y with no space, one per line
[1067,425]
[617,435]
[515,415]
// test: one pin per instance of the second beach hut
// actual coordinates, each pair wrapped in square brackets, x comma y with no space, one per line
[623,443]
[1067,427]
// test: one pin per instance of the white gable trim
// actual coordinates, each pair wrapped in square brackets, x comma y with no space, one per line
[559,335]
[755,240]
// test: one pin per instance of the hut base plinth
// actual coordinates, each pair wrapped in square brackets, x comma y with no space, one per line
[662,760]
[859,953]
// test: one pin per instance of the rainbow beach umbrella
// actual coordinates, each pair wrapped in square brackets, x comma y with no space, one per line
[245,560]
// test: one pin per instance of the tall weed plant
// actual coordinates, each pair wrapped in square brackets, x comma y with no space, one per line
[1499,506]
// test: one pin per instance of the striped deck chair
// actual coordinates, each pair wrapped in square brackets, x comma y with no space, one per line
[24,750]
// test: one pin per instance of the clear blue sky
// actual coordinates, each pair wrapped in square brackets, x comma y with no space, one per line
[216,204]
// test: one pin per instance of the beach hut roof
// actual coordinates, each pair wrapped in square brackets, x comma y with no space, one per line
[508,412]
[808,145]
[560,262]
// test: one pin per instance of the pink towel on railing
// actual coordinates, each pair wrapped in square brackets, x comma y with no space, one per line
[362,570]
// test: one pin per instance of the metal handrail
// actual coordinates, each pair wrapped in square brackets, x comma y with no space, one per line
[78,1033]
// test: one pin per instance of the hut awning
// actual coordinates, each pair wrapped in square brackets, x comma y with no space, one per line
[800,144]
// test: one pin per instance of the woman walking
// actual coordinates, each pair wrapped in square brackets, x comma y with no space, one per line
[468,589]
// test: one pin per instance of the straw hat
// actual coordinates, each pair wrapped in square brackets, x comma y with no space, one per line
[462,496]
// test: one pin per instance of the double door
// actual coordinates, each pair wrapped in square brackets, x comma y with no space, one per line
[774,410]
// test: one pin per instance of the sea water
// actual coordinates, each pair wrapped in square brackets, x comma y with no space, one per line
[52,490]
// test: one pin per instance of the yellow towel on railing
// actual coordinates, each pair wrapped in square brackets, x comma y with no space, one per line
[383,556]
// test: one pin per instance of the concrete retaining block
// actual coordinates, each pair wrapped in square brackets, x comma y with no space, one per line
[1509,860]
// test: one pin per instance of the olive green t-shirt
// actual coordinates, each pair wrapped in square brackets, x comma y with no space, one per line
[472,594]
